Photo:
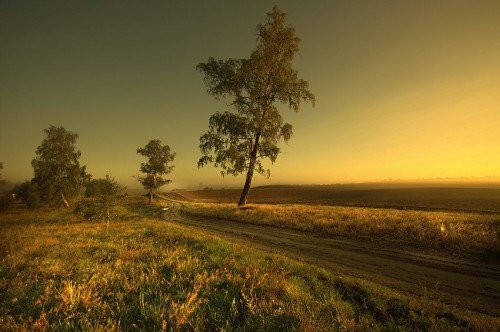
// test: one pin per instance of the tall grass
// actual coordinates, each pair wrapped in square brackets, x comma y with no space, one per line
[462,232]
[60,273]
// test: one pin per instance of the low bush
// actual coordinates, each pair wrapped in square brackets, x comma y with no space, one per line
[29,194]
[102,208]
[101,200]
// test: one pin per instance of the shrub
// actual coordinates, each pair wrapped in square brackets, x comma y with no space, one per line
[100,208]
[101,200]
[5,201]
[106,186]
[29,194]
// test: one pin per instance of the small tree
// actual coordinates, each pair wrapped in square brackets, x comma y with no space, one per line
[159,157]
[29,194]
[58,174]
[101,199]
[238,141]
[103,187]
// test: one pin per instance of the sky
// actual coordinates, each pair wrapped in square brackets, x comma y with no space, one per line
[404,89]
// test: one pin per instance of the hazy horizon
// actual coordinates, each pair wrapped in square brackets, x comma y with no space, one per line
[404,91]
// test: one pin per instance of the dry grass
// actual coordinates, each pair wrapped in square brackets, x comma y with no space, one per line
[464,232]
[377,195]
[60,273]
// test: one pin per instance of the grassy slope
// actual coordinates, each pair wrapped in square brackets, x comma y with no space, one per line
[59,272]
[452,231]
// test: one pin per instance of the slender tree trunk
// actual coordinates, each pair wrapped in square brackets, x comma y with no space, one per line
[251,166]
[64,199]
[246,188]
[150,196]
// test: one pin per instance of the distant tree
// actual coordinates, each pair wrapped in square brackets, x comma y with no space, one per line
[1,168]
[159,157]
[238,141]
[58,174]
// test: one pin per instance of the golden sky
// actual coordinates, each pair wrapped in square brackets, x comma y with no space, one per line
[404,89]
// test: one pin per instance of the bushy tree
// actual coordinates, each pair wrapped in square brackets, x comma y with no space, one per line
[106,186]
[101,199]
[57,169]
[29,194]
[238,141]
[158,164]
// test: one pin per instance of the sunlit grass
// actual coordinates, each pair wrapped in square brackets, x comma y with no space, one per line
[58,272]
[462,232]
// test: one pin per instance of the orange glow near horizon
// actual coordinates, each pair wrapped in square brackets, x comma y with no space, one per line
[442,132]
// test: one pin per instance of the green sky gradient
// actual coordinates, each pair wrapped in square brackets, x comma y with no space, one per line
[404,89]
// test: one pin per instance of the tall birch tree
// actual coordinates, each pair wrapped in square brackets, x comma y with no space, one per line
[238,141]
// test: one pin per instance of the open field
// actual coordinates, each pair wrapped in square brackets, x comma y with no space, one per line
[483,198]
[60,272]
[453,232]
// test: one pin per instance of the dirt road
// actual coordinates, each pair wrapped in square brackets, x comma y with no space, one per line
[453,281]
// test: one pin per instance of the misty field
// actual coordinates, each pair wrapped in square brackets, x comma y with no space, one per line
[455,232]
[60,272]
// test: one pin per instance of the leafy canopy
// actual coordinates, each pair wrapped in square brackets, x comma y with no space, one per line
[103,187]
[238,140]
[29,193]
[101,199]
[57,169]
[159,157]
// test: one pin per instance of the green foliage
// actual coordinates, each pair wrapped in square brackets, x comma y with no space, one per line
[159,157]
[29,193]
[101,200]
[6,201]
[106,186]
[238,141]
[101,208]
[58,173]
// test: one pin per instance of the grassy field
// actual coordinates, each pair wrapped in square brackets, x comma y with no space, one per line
[483,199]
[460,233]
[59,272]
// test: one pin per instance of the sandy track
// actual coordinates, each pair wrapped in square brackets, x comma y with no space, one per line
[450,280]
